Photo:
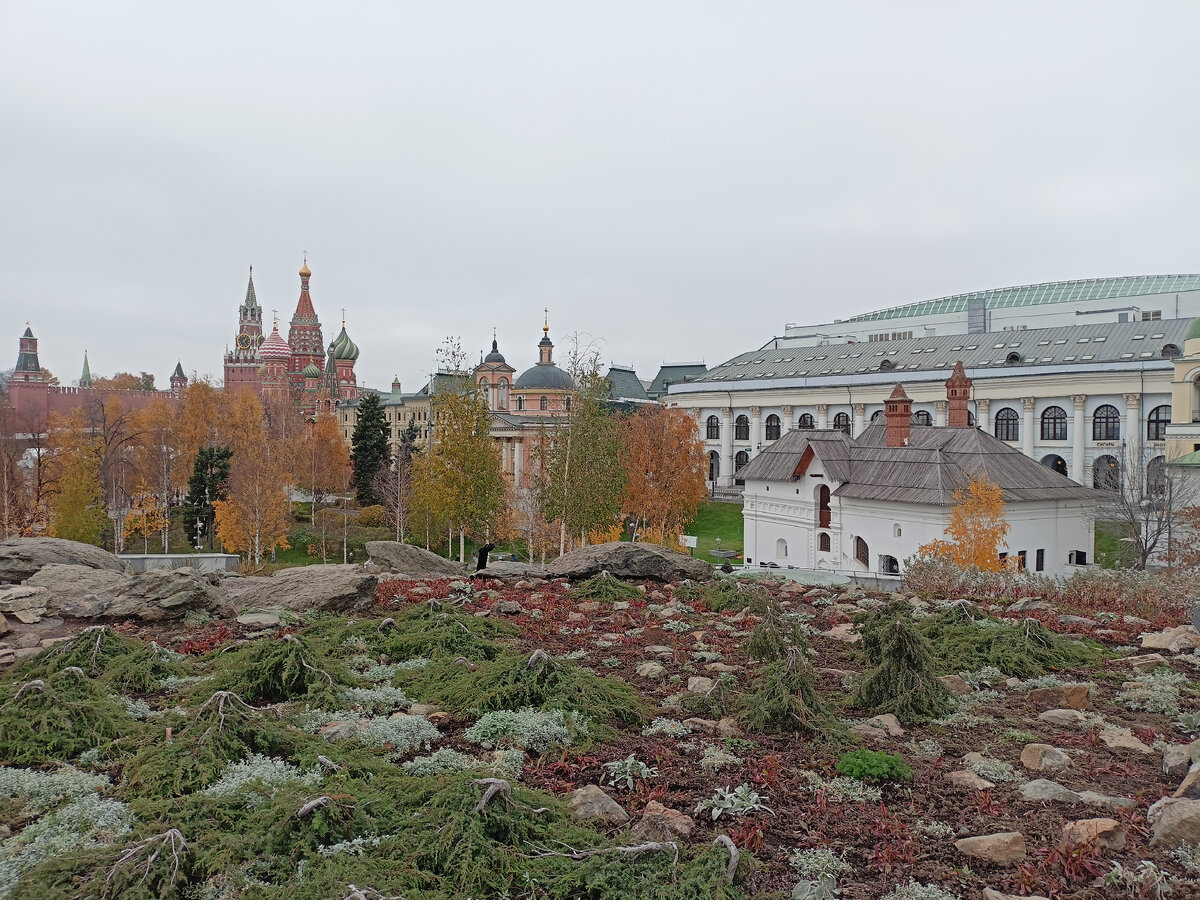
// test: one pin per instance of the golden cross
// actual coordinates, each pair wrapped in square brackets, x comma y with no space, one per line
[275,318]
[343,317]
[546,321]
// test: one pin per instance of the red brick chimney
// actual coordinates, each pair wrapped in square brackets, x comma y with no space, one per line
[958,393]
[898,413]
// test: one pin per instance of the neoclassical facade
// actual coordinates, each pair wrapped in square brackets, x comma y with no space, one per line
[1092,402]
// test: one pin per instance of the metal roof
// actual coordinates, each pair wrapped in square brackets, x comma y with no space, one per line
[1088,346]
[936,462]
[1037,294]
[625,385]
[674,374]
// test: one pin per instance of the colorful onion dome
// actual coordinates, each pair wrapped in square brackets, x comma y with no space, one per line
[311,371]
[274,347]
[342,347]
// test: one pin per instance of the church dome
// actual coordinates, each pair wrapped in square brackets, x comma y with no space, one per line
[495,356]
[304,270]
[342,347]
[311,371]
[546,377]
[274,347]
[1194,330]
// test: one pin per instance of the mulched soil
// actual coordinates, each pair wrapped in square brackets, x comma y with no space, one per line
[881,841]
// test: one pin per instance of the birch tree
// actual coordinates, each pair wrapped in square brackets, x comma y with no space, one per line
[665,471]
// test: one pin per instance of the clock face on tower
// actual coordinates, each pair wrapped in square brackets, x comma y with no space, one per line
[244,341]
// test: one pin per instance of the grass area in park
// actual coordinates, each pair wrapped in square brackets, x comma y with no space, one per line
[717,520]
[1112,550]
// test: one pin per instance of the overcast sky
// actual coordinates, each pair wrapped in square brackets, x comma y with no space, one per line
[677,180]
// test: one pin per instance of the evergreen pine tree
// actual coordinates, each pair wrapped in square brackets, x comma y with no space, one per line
[369,449]
[207,485]
[903,681]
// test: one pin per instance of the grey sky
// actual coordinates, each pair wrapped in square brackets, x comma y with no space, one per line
[676,179]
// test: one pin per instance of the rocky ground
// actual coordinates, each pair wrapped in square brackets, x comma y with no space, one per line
[1075,783]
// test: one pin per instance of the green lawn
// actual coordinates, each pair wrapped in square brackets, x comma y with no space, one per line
[717,520]
[1111,551]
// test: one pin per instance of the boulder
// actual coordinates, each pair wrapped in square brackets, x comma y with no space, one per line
[1044,758]
[661,823]
[651,670]
[1174,822]
[1004,848]
[338,588]
[1175,640]
[1104,834]
[22,557]
[1105,800]
[159,595]
[24,603]
[254,618]
[699,684]
[1189,788]
[1044,789]
[1062,718]
[846,632]
[1123,739]
[410,560]
[886,725]
[630,561]
[1145,661]
[590,803]
[968,780]
[1067,696]
[956,686]
[1178,758]
[503,569]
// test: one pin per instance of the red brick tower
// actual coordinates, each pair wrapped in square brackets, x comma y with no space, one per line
[898,410]
[241,362]
[958,393]
[304,335]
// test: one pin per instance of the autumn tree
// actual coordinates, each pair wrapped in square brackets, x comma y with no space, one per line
[198,425]
[156,458]
[582,458]
[147,518]
[80,511]
[977,528]
[369,448]
[126,381]
[665,471]
[325,461]
[394,483]
[255,515]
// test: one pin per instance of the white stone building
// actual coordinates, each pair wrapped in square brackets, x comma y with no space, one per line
[820,499]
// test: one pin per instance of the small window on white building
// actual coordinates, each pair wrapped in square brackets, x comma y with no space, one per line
[781,549]
[896,530]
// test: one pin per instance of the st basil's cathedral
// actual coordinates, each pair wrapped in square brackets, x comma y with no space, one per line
[301,368]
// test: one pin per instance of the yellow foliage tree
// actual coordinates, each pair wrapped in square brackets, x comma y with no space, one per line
[664,472]
[148,518]
[977,528]
[80,513]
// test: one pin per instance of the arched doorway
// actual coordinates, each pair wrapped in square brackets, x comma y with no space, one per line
[1055,462]
[714,465]
[1106,474]
[824,513]
[739,463]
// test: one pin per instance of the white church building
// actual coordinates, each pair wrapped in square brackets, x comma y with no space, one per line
[821,499]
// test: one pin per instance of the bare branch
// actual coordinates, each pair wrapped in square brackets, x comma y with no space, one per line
[536,657]
[493,787]
[313,805]
[631,850]
[735,855]
[146,853]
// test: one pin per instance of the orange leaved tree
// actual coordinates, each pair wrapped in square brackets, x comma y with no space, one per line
[977,529]
[664,471]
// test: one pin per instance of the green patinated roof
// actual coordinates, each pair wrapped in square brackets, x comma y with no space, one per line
[1194,331]
[311,371]
[1189,459]
[1037,294]
[85,379]
[625,385]
[674,374]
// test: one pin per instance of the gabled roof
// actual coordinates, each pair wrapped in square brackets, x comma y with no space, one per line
[674,373]
[936,462]
[625,385]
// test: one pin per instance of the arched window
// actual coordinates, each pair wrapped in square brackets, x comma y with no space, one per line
[1008,425]
[1106,474]
[741,429]
[714,465]
[520,404]
[806,421]
[1055,462]
[1170,350]
[1106,424]
[566,404]
[824,513]
[862,553]
[841,422]
[1156,425]
[970,419]
[875,416]
[545,404]
[772,427]
[739,463]
[889,565]
[921,417]
[823,542]
[502,394]
[1156,477]
[781,549]
[1054,424]
[713,429]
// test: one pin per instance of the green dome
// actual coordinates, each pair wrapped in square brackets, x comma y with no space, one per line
[1194,331]
[342,347]
[311,371]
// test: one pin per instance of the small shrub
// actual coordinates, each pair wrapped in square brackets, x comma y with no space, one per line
[372,517]
[441,762]
[774,636]
[625,773]
[255,779]
[914,890]
[399,736]
[666,727]
[529,729]
[1155,692]
[783,699]
[714,758]
[903,681]
[275,670]
[735,594]
[741,801]
[843,790]
[604,588]
[819,861]
[873,765]
[56,718]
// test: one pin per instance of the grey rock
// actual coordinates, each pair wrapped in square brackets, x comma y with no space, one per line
[1004,848]
[504,569]
[22,598]
[159,595]
[1104,800]
[1078,621]
[661,823]
[1044,758]
[509,608]
[410,560]
[1044,789]
[1030,604]
[3,624]
[698,684]
[1178,758]
[254,618]
[1061,718]
[22,557]
[651,670]
[337,588]
[630,561]
[590,803]
[1174,822]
